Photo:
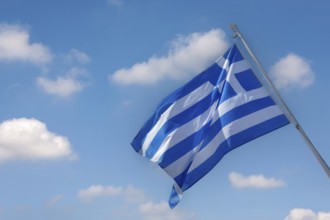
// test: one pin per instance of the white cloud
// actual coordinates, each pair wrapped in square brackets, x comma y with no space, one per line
[129,194]
[29,139]
[64,86]
[161,211]
[292,71]
[307,214]
[254,181]
[15,45]
[187,55]
[75,55]
[95,191]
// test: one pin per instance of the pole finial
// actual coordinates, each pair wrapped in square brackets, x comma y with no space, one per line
[233,26]
[235,30]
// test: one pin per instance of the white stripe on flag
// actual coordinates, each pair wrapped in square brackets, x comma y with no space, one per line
[236,67]
[240,66]
[185,131]
[223,63]
[238,100]
[178,166]
[232,129]
[175,109]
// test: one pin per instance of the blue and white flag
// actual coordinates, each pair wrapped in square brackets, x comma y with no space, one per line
[220,109]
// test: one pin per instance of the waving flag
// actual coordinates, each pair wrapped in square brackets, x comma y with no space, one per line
[220,109]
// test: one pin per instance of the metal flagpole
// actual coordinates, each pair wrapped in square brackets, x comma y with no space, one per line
[291,117]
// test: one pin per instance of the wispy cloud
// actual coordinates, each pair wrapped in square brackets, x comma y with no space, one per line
[128,193]
[187,55]
[95,191]
[29,139]
[15,45]
[73,81]
[64,86]
[292,71]
[55,200]
[76,56]
[307,214]
[254,181]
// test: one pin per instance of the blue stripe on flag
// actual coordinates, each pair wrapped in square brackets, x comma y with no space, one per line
[180,149]
[230,144]
[245,109]
[233,55]
[209,75]
[236,114]
[178,121]
[227,92]
[183,147]
[175,198]
[248,80]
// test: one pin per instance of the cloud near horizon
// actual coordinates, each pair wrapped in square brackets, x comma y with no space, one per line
[29,139]
[136,202]
[15,45]
[238,180]
[307,214]
[187,55]
[161,211]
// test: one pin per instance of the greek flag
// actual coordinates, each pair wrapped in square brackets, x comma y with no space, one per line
[220,109]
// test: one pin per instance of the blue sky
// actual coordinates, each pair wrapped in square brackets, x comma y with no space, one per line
[79,78]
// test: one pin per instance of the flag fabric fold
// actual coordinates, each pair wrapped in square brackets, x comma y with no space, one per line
[219,110]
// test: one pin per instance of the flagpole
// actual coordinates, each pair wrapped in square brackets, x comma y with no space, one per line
[237,34]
